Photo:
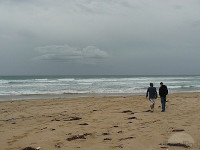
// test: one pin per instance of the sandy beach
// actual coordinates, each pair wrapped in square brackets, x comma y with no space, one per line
[101,123]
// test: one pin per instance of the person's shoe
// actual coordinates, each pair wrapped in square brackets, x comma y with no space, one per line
[162,111]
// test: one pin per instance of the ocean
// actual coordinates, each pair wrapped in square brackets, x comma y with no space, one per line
[23,87]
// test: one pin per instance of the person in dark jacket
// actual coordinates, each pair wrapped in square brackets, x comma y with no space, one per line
[152,93]
[163,91]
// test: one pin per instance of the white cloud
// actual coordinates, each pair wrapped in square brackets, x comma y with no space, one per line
[67,53]
[93,52]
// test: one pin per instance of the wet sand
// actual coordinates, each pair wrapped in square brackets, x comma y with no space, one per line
[101,123]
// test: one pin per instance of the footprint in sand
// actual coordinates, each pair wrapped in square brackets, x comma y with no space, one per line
[17,138]
[119,146]
[58,145]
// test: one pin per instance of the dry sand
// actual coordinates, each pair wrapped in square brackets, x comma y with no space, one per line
[101,123]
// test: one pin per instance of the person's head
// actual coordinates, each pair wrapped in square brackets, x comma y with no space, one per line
[161,83]
[151,84]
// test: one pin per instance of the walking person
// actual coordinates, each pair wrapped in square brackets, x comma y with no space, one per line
[163,91]
[152,94]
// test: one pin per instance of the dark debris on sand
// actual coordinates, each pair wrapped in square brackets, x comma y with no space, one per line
[70,119]
[107,139]
[127,111]
[57,146]
[105,133]
[132,118]
[163,147]
[126,138]
[120,132]
[83,124]
[29,148]
[74,118]
[78,137]
[178,130]
[147,111]
[178,144]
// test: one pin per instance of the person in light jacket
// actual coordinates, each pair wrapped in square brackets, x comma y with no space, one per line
[152,94]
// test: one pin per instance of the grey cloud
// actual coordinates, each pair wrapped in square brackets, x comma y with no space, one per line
[196,23]
[68,53]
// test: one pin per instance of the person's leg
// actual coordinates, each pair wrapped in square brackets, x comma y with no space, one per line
[161,100]
[152,103]
[163,103]
[153,107]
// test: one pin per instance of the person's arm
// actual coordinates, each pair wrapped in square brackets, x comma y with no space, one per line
[166,90]
[159,91]
[156,94]
[147,92]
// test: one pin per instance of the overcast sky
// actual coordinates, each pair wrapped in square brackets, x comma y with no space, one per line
[98,37]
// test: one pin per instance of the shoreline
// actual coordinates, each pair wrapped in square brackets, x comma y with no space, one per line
[109,123]
[73,95]
[60,96]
